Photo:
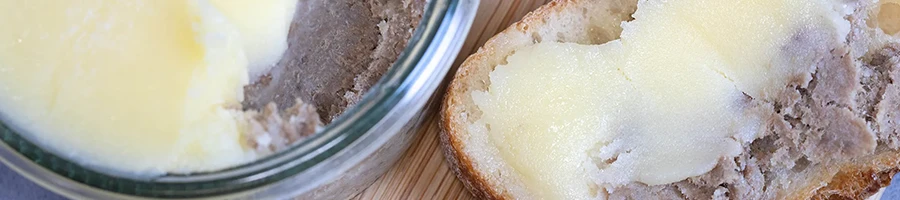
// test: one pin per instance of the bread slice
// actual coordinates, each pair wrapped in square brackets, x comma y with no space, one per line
[565,21]
[820,130]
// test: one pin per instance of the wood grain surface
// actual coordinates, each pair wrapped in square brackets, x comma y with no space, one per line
[422,172]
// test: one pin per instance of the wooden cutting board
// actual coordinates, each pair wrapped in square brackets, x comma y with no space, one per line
[422,172]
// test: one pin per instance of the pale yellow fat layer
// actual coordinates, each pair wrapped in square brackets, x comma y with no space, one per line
[139,86]
[663,103]
[263,25]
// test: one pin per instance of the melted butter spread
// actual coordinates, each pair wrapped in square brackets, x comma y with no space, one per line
[139,86]
[663,103]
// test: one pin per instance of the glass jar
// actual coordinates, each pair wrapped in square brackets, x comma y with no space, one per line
[340,161]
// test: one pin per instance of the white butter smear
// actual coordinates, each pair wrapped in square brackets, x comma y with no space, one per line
[663,103]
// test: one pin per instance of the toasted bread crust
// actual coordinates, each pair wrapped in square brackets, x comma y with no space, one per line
[462,166]
[858,180]
[855,180]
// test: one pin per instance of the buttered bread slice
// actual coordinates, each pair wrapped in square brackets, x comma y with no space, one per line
[692,99]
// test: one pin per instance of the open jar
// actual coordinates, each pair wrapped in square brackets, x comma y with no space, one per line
[339,161]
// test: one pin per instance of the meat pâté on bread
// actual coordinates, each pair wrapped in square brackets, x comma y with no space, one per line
[825,126]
